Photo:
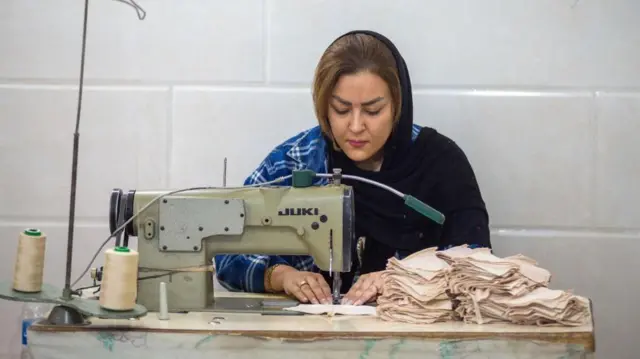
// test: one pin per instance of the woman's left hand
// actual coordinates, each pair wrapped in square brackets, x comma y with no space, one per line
[366,289]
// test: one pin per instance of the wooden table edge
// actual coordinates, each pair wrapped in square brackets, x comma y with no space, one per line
[585,339]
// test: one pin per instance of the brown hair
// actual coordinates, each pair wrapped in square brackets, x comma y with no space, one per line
[349,55]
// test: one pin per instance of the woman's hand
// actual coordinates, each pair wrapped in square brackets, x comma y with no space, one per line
[304,286]
[366,289]
[307,287]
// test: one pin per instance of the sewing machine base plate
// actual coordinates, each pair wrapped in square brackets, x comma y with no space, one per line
[53,295]
[254,305]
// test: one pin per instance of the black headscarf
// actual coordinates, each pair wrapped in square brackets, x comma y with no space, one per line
[433,169]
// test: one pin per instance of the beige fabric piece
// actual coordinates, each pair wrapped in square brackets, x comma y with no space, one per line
[408,310]
[479,269]
[513,289]
[542,306]
[333,309]
[476,286]
[415,289]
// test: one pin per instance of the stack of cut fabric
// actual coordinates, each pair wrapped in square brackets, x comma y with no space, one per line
[479,269]
[513,289]
[542,306]
[414,289]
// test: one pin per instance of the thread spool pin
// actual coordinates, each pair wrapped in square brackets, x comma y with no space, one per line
[163,313]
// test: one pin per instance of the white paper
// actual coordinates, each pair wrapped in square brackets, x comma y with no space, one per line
[333,309]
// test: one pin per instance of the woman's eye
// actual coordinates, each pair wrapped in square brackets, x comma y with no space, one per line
[341,112]
[373,113]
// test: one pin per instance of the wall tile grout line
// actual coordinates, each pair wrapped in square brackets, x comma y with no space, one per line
[520,231]
[498,89]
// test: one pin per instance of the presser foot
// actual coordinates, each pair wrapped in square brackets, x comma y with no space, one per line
[337,284]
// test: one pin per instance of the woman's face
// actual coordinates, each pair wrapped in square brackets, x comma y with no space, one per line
[361,118]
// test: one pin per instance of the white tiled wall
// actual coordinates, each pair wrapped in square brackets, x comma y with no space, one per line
[543,95]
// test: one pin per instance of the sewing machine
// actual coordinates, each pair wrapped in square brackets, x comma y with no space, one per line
[179,235]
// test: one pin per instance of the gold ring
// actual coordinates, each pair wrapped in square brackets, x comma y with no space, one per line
[302,283]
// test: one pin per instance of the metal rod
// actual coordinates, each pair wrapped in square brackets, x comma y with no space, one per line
[66,292]
[224,173]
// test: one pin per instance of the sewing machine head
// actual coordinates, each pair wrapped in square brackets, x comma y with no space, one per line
[180,234]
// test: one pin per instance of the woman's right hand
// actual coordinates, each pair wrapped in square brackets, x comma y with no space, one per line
[306,287]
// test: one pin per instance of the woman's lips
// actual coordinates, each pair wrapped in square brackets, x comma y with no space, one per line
[357,144]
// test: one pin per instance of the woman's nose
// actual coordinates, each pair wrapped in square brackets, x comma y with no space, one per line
[356,124]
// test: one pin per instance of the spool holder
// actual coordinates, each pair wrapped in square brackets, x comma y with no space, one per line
[68,312]
[76,310]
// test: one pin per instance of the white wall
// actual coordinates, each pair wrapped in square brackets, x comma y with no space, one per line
[541,94]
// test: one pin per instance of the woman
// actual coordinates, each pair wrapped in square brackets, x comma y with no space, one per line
[363,102]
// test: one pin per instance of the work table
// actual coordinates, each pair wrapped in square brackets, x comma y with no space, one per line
[247,335]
